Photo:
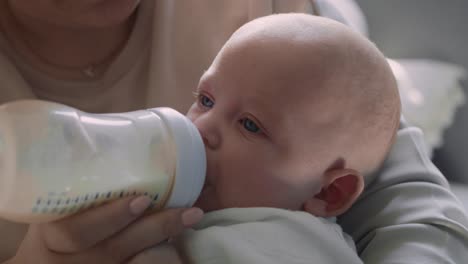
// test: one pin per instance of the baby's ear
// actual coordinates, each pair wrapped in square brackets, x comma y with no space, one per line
[340,190]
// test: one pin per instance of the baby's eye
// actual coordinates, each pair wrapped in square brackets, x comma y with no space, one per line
[250,126]
[205,101]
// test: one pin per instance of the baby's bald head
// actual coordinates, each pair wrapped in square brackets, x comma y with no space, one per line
[327,79]
[293,111]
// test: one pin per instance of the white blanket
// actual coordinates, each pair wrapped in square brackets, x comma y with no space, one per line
[266,235]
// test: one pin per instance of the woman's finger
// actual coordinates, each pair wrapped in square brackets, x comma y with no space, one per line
[152,230]
[81,231]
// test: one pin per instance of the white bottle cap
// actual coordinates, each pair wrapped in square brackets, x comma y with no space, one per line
[191,158]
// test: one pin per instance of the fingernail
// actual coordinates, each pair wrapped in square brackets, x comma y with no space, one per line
[192,216]
[139,204]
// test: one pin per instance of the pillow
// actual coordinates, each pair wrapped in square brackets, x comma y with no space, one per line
[347,12]
[430,93]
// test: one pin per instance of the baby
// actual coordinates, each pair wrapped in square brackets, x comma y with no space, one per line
[295,111]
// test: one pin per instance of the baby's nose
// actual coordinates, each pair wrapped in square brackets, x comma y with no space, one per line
[209,131]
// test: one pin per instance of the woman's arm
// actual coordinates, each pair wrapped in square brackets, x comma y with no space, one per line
[407,214]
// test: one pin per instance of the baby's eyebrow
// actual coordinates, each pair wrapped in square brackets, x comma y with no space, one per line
[205,83]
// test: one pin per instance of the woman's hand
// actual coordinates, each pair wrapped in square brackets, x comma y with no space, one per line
[112,233]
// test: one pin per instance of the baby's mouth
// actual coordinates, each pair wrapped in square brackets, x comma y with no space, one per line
[201,200]
[207,184]
[208,180]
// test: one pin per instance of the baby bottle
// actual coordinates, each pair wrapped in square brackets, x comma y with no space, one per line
[56,160]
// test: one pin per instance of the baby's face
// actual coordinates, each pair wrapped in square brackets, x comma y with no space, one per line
[293,111]
[266,126]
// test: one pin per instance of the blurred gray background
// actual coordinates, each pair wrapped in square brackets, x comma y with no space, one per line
[433,29]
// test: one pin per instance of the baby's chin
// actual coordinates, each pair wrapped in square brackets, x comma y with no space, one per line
[208,200]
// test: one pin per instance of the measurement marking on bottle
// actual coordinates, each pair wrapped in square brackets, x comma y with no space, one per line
[65,204]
